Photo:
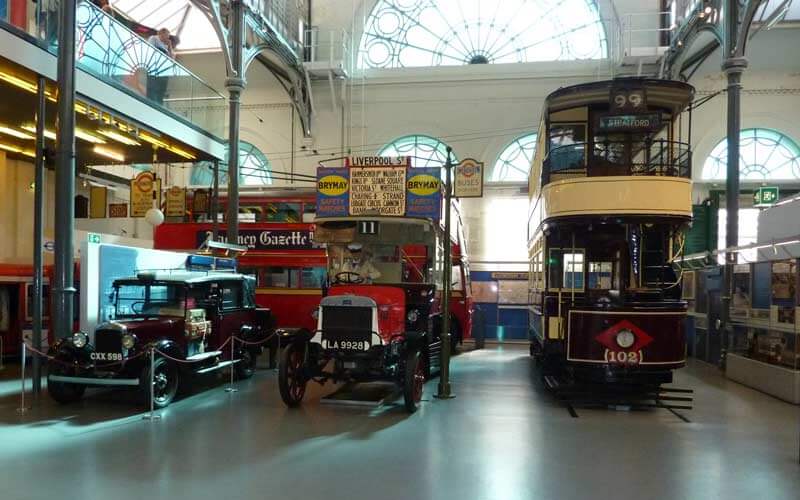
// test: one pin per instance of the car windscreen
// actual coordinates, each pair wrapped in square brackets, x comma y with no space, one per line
[147,300]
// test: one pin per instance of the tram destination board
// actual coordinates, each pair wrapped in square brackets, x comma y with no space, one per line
[630,123]
[378,190]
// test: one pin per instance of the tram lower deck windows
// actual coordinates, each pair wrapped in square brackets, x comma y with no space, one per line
[566,269]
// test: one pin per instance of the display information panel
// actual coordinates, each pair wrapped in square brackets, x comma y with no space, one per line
[378,191]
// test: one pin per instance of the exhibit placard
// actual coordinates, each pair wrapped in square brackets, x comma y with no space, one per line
[378,191]
[176,202]
[468,182]
[117,210]
[145,190]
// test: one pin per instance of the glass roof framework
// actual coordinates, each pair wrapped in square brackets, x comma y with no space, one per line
[409,33]
[180,17]
[425,151]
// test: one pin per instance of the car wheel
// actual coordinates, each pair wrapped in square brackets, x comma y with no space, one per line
[246,366]
[292,377]
[165,383]
[59,391]
[413,381]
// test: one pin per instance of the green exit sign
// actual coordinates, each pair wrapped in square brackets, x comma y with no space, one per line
[765,196]
[93,238]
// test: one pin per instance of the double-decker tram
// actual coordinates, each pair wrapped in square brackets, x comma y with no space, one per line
[610,199]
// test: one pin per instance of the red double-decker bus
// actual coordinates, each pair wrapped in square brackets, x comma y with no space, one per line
[277,229]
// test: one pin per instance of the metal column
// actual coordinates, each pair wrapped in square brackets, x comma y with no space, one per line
[215,203]
[444,375]
[38,233]
[235,85]
[733,68]
[63,286]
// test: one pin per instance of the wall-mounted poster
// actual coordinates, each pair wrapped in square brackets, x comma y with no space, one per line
[98,198]
[333,191]
[145,193]
[200,204]
[424,193]
[484,291]
[784,276]
[176,202]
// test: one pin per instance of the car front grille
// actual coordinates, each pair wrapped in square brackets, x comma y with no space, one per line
[107,341]
[343,322]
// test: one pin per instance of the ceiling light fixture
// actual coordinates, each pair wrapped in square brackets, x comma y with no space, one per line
[15,149]
[152,140]
[24,84]
[47,133]
[108,153]
[15,133]
[181,152]
[86,136]
[119,137]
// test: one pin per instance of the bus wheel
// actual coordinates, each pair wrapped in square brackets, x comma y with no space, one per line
[414,381]
[292,378]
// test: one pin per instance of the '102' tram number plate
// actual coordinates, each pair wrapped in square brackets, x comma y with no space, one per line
[346,345]
[623,357]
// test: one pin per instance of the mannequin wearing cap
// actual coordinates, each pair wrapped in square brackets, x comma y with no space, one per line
[360,264]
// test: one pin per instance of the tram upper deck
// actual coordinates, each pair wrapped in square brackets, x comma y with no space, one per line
[616,147]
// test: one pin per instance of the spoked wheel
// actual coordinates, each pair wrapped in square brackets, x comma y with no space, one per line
[165,383]
[414,381]
[59,391]
[292,377]
[246,366]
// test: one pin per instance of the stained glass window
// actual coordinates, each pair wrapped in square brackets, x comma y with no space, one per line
[425,151]
[514,162]
[764,154]
[406,33]
[254,169]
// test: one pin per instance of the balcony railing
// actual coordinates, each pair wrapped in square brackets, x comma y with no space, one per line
[656,157]
[111,51]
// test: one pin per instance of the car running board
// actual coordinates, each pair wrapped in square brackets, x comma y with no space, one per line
[218,367]
[204,355]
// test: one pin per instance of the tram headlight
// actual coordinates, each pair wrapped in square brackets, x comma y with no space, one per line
[128,340]
[625,338]
[79,339]
[412,316]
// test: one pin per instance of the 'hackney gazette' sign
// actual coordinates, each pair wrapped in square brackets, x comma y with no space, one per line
[265,239]
[376,185]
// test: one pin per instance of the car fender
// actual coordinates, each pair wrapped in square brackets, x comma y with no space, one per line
[288,336]
[168,347]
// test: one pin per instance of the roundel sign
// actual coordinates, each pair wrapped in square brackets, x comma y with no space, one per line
[469,179]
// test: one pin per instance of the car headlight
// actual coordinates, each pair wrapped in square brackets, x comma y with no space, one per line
[625,338]
[128,340]
[412,316]
[79,339]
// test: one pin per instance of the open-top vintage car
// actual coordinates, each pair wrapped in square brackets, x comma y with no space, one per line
[381,317]
[188,316]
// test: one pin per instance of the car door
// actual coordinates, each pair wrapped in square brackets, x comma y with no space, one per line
[234,312]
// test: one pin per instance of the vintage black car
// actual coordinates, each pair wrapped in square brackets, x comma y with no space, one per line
[185,315]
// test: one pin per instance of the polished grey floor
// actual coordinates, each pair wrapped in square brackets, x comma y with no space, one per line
[503,437]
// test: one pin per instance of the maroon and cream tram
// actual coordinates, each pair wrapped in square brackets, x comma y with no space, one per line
[610,199]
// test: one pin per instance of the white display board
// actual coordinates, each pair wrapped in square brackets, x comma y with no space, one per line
[102,263]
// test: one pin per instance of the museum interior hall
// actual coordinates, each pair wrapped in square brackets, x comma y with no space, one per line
[433,249]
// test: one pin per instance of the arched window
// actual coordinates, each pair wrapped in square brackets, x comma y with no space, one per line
[254,169]
[764,154]
[406,33]
[514,162]
[425,151]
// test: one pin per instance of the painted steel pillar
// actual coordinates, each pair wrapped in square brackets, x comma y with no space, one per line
[733,68]
[444,375]
[235,85]
[38,233]
[63,286]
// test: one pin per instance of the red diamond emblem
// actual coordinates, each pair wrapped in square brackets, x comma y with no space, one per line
[609,337]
